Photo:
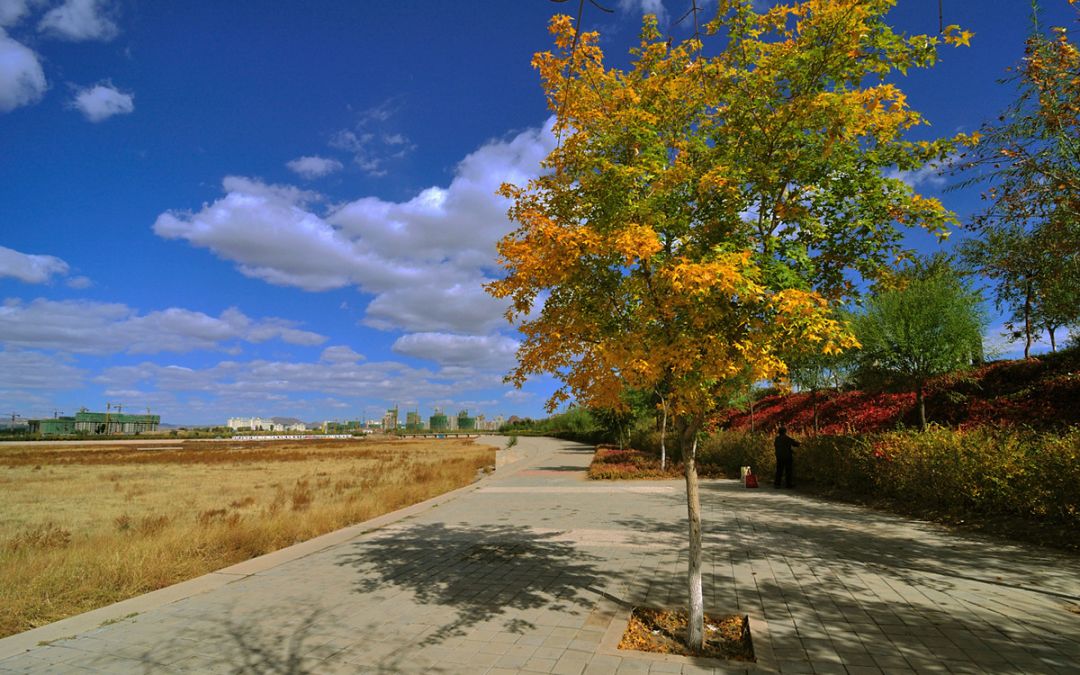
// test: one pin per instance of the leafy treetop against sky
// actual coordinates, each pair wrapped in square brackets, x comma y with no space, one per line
[217,209]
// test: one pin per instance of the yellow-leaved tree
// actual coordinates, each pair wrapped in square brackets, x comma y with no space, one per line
[706,208]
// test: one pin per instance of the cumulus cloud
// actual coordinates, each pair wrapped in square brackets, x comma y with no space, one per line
[86,327]
[311,167]
[496,352]
[13,11]
[32,269]
[424,259]
[79,20]
[22,80]
[102,101]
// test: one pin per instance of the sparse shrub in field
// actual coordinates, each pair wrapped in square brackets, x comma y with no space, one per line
[44,536]
[241,503]
[153,524]
[211,516]
[122,522]
[302,495]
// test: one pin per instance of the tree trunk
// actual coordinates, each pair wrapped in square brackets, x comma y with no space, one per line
[1053,344]
[695,630]
[663,437]
[921,403]
[1027,321]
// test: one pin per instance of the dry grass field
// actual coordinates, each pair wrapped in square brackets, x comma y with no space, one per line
[82,527]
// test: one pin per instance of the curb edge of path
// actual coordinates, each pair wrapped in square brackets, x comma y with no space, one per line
[87,621]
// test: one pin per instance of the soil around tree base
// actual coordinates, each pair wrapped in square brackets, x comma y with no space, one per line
[663,631]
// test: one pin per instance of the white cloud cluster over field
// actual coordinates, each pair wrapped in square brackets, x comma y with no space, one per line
[425,260]
[85,327]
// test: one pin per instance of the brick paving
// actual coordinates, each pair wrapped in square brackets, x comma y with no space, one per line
[534,570]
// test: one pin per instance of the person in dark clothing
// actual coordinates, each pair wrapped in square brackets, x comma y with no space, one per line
[785,457]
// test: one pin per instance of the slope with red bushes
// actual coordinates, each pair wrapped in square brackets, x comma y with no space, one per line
[1042,393]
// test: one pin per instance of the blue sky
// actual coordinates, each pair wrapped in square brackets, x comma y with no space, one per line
[215,209]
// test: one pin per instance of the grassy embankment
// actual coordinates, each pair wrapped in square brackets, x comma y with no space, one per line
[1018,483]
[1003,454]
[84,527]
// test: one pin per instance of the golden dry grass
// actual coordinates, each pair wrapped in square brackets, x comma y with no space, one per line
[82,527]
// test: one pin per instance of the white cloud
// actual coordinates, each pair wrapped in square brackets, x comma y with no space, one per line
[425,259]
[33,269]
[371,148]
[22,80]
[79,20]
[340,354]
[232,382]
[13,11]
[495,352]
[103,328]
[79,282]
[268,232]
[34,370]
[645,7]
[310,167]
[931,174]
[102,101]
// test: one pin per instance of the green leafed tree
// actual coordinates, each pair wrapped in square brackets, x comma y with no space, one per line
[923,322]
[1028,241]
[707,207]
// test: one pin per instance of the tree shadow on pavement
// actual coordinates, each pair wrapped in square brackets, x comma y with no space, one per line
[802,525]
[281,642]
[845,580]
[478,574]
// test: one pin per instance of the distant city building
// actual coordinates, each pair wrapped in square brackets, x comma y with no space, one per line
[413,421]
[390,420]
[56,426]
[92,423]
[438,421]
[464,422]
[277,424]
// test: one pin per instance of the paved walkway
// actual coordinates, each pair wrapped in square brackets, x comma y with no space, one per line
[534,569]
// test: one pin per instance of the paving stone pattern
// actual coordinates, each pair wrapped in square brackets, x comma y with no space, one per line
[535,569]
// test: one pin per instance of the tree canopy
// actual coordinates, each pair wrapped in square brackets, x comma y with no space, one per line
[925,322]
[701,213]
[1028,240]
[706,207]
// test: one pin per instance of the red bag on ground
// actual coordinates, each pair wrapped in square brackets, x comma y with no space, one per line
[751,480]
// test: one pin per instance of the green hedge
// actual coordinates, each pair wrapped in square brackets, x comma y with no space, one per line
[984,470]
